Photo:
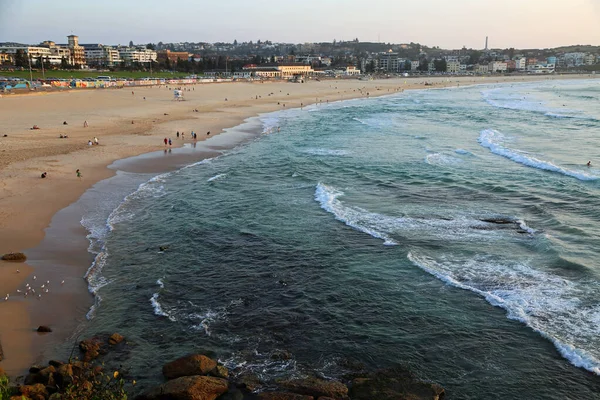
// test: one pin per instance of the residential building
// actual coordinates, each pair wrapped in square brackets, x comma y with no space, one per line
[511,65]
[574,59]
[131,55]
[414,65]
[6,58]
[389,62]
[172,56]
[541,68]
[77,51]
[452,66]
[521,63]
[101,55]
[551,60]
[481,68]
[589,59]
[497,66]
[352,70]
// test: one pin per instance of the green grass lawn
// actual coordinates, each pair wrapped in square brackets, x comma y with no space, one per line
[91,74]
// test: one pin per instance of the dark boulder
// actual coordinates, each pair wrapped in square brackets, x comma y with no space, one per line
[44,329]
[283,396]
[317,387]
[394,384]
[195,364]
[187,388]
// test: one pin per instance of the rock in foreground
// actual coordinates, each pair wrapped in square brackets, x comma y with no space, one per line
[188,388]
[317,388]
[394,384]
[195,364]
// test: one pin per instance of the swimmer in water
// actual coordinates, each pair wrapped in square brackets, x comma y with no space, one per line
[589,164]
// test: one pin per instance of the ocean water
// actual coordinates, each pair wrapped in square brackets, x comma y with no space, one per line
[452,231]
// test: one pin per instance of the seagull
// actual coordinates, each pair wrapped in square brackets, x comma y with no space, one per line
[43,286]
[18,272]
[6,298]
[47,282]
[39,296]
[33,290]
[34,277]
[18,291]
[62,283]
[46,290]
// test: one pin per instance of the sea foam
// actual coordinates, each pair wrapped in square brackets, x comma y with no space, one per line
[493,140]
[547,303]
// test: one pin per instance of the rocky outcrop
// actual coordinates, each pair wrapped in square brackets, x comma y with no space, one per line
[19,257]
[188,388]
[317,388]
[195,364]
[44,329]
[283,396]
[115,339]
[394,384]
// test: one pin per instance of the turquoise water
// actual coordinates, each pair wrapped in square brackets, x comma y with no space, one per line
[452,231]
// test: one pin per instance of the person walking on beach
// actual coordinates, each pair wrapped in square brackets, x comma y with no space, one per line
[78,174]
[166,141]
[170,142]
[95,140]
[85,124]
[177,134]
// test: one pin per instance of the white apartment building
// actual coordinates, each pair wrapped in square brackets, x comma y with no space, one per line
[414,65]
[131,55]
[541,68]
[100,55]
[34,53]
[497,66]
[521,63]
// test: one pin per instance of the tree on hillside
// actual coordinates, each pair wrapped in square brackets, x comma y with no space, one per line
[440,65]
[21,59]
[151,46]
[423,65]
[131,43]
[407,65]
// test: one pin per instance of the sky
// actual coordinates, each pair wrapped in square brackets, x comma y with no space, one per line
[449,24]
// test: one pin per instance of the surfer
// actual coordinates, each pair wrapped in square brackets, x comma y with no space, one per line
[589,164]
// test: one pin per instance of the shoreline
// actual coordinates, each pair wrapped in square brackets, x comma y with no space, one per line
[22,346]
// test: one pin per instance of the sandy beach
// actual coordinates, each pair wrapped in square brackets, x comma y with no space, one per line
[126,124]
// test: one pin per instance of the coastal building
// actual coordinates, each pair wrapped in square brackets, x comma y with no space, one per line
[589,59]
[497,66]
[511,65]
[551,60]
[172,56]
[6,58]
[414,65]
[388,62]
[101,55]
[481,68]
[521,63]
[290,70]
[574,59]
[77,51]
[131,55]
[453,66]
[541,68]
[352,70]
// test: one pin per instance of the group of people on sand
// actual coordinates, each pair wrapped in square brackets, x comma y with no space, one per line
[94,141]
